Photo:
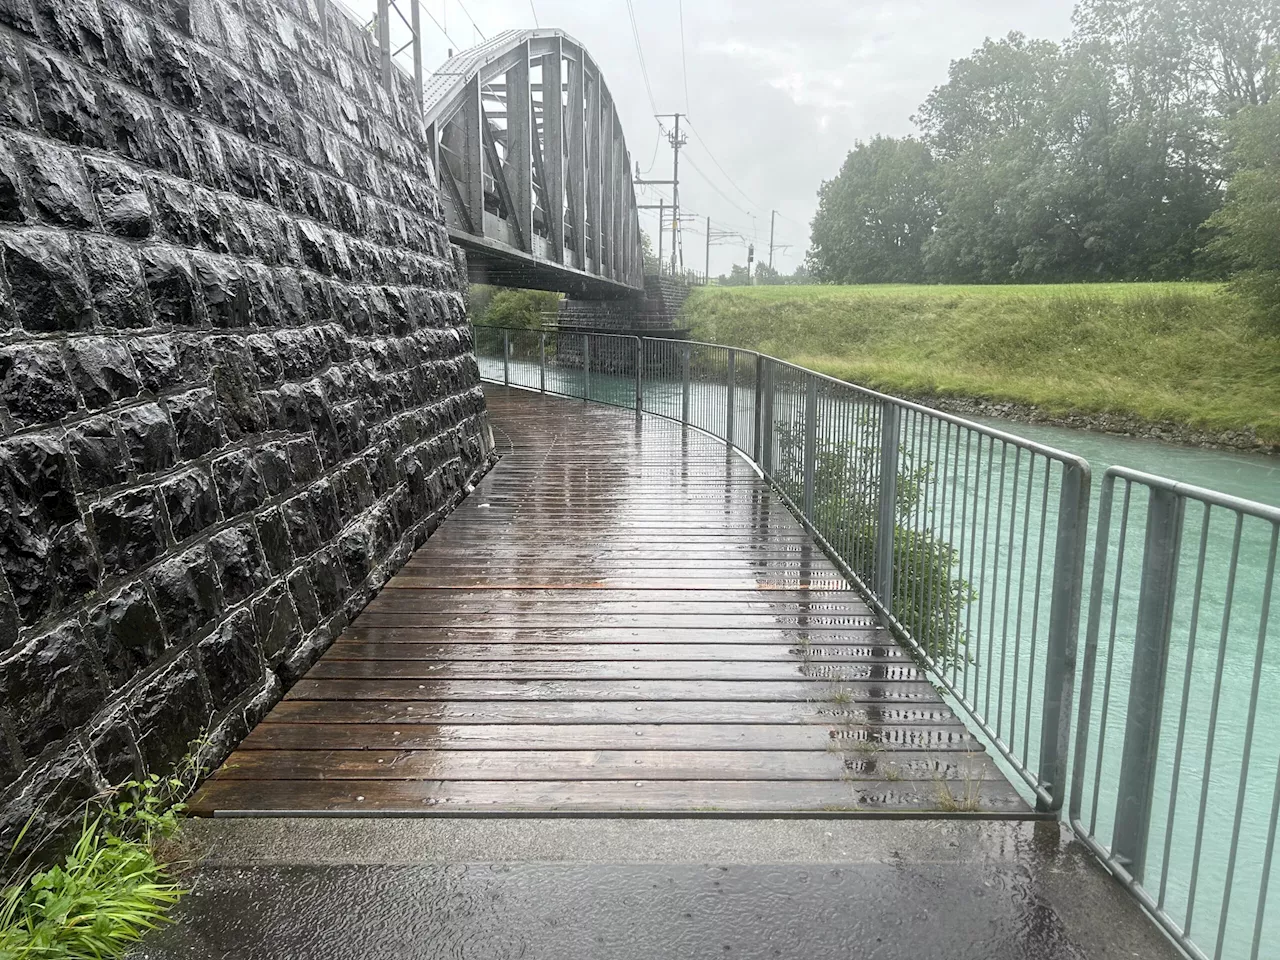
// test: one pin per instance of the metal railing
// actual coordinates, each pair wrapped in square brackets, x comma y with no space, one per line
[1179,616]
[968,541]
[971,544]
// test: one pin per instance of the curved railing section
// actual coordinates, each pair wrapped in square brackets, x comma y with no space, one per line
[971,542]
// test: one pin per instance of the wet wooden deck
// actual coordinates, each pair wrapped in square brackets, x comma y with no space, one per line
[619,619]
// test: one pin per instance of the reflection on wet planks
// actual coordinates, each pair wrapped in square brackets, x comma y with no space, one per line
[620,619]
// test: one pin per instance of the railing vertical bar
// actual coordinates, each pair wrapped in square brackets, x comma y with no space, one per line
[1157,590]
[731,399]
[1255,687]
[1111,648]
[1064,626]
[506,358]
[1035,610]
[1266,868]
[684,385]
[1008,580]
[963,675]
[1017,622]
[586,366]
[542,362]
[810,444]
[1211,733]
[995,573]
[1182,710]
[639,374]
[890,430]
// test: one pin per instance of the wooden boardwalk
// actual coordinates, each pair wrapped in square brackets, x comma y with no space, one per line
[620,619]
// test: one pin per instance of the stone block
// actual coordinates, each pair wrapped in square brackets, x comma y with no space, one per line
[74,572]
[156,362]
[50,290]
[225,292]
[175,210]
[304,600]
[130,125]
[15,102]
[15,203]
[191,501]
[278,626]
[195,420]
[230,658]
[128,43]
[98,452]
[169,713]
[175,76]
[240,166]
[209,223]
[128,633]
[115,283]
[241,568]
[329,581]
[171,286]
[114,752]
[67,99]
[273,534]
[35,384]
[129,529]
[186,593]
[149,437]
[122,201]
[102,370]
[74,27]
[175,144]
[49,687]
[238,400]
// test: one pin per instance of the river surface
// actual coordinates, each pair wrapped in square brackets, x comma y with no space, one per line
[1232,775]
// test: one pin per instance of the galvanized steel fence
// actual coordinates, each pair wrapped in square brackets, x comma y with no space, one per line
[971,544]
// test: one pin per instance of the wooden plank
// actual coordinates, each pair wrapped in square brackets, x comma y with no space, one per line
[787,637]
[552,671]
[599,765]
[422,647]
[606,712]
[271,736]
[763,691]
[691,797]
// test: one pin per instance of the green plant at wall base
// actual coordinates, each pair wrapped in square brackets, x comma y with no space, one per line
[112,887]
[104,896]
[928,599]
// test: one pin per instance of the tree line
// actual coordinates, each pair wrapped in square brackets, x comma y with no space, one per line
[1145,146]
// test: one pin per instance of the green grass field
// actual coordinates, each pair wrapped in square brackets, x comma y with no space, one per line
[1181,352]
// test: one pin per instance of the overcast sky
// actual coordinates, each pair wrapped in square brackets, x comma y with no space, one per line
[777,93]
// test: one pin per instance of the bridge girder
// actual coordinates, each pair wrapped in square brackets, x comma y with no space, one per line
[529,214]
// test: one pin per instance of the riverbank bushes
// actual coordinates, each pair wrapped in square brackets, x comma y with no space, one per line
[1160,352]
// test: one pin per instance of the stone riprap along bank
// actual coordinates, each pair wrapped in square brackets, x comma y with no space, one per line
[236,379]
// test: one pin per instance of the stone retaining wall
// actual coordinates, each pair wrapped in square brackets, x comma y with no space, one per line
[237,386]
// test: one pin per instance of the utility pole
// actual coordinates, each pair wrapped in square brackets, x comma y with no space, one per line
[662,223]
[706,277]
[677,140]
[773,214]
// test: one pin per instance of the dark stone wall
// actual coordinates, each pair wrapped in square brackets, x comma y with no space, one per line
[237,387]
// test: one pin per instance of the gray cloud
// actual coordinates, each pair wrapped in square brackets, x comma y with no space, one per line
[777,92]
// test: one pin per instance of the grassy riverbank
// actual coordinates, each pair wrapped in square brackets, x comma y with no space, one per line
[1181,353]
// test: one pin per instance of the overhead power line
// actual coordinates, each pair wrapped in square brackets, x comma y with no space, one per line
[441,28]
[722,170]
[644,69]
[534,10]
[684,61]
[711,183]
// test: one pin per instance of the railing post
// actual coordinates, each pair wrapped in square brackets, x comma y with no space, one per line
[684,380]
[766,422]
[506,358]
[887,518]
[1146,686]
[542,362]
[1064,627]
[730,397]
[810,443]
[639,374]
[755,441]
[586,366]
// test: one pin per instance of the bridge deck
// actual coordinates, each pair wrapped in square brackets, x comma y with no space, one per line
[619,619]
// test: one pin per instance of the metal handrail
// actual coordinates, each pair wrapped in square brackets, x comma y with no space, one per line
[993,611]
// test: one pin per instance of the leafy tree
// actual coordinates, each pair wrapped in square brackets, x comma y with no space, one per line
[738,277]
[1248,224]
[874,217]
[520,308]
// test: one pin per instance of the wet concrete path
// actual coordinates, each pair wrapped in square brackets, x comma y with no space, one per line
[620,619]
[618,889]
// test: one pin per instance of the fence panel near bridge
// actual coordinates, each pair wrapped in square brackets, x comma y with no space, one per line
[1175,784]
[971,543]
